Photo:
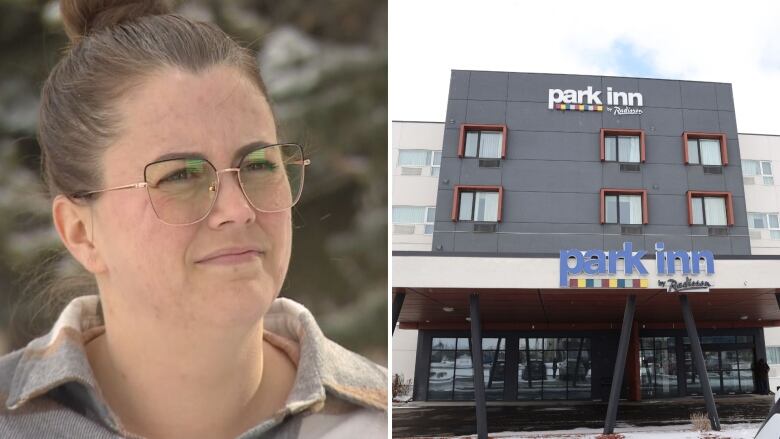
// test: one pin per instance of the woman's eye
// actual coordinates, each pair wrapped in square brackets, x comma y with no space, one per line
[179,176]
[260,165]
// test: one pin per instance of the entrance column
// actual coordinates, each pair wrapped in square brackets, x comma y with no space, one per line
[398,302]
[620,364]
[698,360]
[476,363]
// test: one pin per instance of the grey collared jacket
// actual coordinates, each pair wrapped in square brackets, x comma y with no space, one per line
[48,390]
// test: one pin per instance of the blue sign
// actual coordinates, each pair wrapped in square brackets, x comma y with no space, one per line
[576,261]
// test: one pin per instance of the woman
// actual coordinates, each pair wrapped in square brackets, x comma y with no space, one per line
[170,186]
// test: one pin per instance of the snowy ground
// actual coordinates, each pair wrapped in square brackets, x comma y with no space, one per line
[731,431]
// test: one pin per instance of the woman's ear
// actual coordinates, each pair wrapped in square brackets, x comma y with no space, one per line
[74,224]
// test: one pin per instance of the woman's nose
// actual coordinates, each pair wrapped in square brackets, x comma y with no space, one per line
[231,205]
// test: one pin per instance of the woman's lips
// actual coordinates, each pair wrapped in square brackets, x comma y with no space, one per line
[232,258]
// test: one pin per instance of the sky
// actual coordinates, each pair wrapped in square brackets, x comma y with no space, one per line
[735,42]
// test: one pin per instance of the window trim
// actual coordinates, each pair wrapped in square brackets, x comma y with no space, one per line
[699,194]
[612,191]
[481,127]
[724,156]
[480,188]
[605,132]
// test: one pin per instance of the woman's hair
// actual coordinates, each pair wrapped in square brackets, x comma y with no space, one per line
[115,45]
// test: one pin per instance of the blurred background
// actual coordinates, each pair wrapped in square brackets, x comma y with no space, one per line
[325,65]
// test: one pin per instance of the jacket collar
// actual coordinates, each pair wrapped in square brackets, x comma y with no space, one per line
[59,358]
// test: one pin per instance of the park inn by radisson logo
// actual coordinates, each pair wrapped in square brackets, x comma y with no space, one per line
[600,262]
[618,102]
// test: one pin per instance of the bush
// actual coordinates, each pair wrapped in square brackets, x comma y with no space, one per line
[401,387]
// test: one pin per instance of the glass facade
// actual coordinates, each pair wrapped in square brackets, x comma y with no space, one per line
[729,363]
[658,367]
[451,374]
[560,367]
[553,368]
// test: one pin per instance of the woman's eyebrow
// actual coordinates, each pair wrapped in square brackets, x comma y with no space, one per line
[240,153]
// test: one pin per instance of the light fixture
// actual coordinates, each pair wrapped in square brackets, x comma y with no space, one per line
[743,318]
[448,309]
[468,319]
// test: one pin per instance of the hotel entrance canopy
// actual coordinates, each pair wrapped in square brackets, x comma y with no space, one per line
[524,292]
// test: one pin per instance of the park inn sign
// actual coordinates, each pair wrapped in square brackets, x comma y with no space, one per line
[601,262]
[617,102]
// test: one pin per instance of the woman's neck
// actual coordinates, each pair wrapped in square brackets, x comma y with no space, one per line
[164,381]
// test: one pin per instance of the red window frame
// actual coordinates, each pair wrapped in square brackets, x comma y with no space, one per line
[724,155]
[605,192]
[726,195]
[465,188]
[622,132]
[481,127]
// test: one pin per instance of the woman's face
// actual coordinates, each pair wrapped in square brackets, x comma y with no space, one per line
[163,271]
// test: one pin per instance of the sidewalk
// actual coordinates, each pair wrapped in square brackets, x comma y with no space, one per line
[454,419]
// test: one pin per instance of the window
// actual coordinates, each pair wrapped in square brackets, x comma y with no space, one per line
[623,146]
[430,216]
[658,367]
[451,373]
[477,203]
[435,163]
[765,221]
[482,141]
[708,149]
[710,208]
[773,354]
[409,216]
[623,206]
[758,168]
[413,161]
[554,368]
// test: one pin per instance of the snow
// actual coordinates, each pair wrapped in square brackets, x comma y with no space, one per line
[731,431]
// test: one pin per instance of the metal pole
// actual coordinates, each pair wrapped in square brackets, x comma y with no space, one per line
[698,360]
[398,302]
[620,365]
[476,363]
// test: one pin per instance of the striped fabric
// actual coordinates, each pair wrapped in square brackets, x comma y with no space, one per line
[47,389]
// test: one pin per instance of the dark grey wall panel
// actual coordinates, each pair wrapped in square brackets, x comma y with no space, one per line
[660,93]
[551,208]
[667,210]
[664,149]
[451,137]
[534,87]
[700,120]
[456,112]
[664,179]
[477,242]
[698,95]
[725,97]
[727,122]
[552,174]
[613,178]
[493,112]
[662,121]
[489,86]
[471,173]
[548,145]
[699,181]
[459,84]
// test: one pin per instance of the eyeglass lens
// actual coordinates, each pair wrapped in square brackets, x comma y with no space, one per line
[182,191]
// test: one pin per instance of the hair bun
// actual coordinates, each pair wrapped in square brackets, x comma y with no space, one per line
[82,17]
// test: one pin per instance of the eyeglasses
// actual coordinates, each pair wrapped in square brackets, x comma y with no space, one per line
[183,190]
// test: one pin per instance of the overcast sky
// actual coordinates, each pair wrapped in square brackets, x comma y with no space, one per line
[680,39]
